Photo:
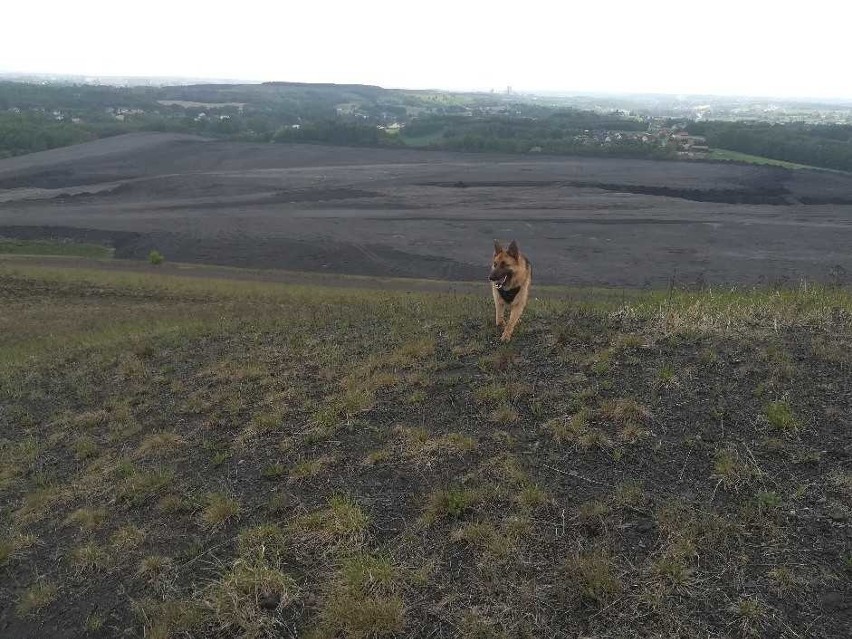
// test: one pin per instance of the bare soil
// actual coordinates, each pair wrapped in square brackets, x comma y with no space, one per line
[405,213]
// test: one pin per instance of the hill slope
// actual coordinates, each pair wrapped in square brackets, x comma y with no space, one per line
[404,213]
[222,458]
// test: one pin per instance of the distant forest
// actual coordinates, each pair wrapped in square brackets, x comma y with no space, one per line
[36,117]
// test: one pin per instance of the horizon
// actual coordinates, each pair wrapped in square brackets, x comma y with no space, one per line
[164,81]
[660,48]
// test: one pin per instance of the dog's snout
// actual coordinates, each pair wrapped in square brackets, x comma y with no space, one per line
[498,274]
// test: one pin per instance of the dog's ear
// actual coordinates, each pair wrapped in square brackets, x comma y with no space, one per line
[513,249]
[498,248]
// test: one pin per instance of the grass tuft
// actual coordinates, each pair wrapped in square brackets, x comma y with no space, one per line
[779,414]
[362,600]
[220,508]
[160,443]
[450,503]
[36,597]
[87,519]
[342,524]
[592,578]
[242,602]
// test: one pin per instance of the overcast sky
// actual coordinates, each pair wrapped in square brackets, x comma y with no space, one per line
[728,47]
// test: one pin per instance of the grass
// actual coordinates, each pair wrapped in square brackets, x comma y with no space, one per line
[263,541]
[153,567]
[239,603]
[450,503]
[159,444]
[36,597]
[592,578]
[88,558]
[733,469]
[306,468]
[577,431]
[259,460]
[13,547]
[87,519]
[341,524]
[127,538]
[220,508]
[724,154]
[779,414]
[362,600]
[54,247]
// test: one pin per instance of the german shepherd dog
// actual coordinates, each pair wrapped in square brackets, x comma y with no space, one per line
[511,275]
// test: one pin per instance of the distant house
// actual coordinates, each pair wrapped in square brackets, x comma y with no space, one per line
[690,145]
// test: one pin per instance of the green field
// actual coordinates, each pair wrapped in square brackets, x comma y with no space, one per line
[724,154]
[187,457]
[422,140]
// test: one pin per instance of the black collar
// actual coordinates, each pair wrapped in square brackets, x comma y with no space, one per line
[510,294]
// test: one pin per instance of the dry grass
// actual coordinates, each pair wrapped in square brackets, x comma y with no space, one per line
[342,524]
[15,546]
[220,508]
[87,519]
[244,600]
[362,600]
[591,577]
[37,597]
[160,444]
[576,430]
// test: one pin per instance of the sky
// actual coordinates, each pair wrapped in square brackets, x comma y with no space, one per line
[719,47]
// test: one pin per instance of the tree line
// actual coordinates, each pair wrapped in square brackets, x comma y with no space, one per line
[823,145]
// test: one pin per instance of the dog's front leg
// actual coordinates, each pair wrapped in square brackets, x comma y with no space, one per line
[515,311]
[499,307]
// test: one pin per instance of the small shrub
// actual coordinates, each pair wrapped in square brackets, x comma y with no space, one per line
[155,257]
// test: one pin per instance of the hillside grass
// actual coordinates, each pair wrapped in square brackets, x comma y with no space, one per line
[198,457]
[9,246]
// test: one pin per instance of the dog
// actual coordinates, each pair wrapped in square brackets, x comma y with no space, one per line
[511,276]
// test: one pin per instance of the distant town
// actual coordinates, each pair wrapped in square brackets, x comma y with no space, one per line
[37,113]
